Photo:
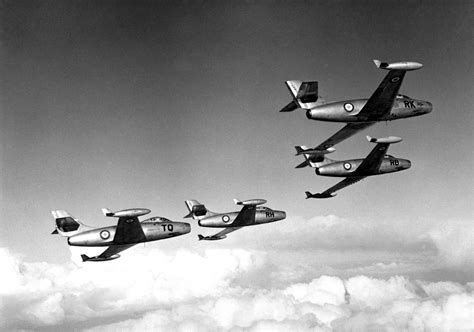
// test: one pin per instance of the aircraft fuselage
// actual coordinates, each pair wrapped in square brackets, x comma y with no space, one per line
[263,215]
[348,111]
[103,237]
[348,168]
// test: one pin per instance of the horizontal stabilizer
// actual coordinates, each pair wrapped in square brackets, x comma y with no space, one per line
[403,65]
[290,107]
[305,95]
[303,164]
[386,140]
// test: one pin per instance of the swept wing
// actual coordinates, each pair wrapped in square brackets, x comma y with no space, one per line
[369,166]
[381,101]
[347,131]
[129,232]
[330,192]
[219,236]
[376,107]
[245,217]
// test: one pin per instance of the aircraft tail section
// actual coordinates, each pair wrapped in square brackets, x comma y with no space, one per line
[197,211]
[313,158]
[67,225]
[305,95]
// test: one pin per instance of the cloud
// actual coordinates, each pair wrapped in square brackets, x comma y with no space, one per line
[200,291]
[332,232]
[41,294]
[454,241]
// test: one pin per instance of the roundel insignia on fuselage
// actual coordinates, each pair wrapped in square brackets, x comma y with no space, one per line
[225,218]
[104,235]
[347,166]
[348,107]
[395,79]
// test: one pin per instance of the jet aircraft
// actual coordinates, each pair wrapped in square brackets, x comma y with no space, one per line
[249,215]
[385,104]
[354,170]
[128,232]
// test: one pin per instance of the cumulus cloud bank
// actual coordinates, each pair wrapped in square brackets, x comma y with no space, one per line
[189,291]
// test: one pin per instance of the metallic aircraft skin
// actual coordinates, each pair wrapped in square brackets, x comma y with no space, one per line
[250,215]
[403,107]
[354,170]
[385,104]
[128,231]
[152,231]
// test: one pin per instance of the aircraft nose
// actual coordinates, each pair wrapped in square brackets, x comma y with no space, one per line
[428,107]
[186,228]
[407,164]
[281,215]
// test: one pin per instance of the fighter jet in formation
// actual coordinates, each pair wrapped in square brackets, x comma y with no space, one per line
[385,104]
[128,232]
[354,170]
[231,221]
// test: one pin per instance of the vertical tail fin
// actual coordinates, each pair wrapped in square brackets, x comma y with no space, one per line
[313,158]
[67,225]
[197,210]
[305,95]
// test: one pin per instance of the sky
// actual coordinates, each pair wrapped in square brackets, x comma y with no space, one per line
[146,104]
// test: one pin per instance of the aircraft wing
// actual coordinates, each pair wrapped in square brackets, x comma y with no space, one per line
[109,254]
[246,216]
[344,183]
[129,230]
[371,163]
[381,101]
[347,131]
[221,235]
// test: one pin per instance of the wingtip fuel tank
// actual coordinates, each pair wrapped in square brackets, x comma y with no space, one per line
[403,65]
[125,213]
[250,202]
[388,140]
[319,195]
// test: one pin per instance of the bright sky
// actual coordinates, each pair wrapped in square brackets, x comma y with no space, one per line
[149,104]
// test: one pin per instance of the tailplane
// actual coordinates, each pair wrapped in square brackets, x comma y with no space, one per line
[313,158]
[67,225]
[197,210]
[305,95]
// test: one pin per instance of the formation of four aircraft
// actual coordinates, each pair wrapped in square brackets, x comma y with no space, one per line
[385,104]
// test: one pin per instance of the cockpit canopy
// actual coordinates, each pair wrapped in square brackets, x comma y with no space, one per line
[157,219]
[263,208]
[400,96]
[389,156]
